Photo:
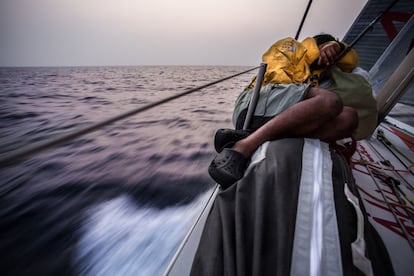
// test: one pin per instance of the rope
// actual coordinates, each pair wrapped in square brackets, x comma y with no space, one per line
[397,219]
[303,19]
[370,26]
[375,166]
[391,147]
[8,159]
[410,209]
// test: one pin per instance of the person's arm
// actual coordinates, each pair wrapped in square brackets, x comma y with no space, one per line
[329,52]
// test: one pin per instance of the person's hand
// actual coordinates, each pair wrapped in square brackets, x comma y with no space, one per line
[329,51]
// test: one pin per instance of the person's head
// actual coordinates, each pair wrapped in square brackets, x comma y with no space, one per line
[347,62]
[323,38]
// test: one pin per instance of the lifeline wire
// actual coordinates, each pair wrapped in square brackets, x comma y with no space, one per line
[30,150]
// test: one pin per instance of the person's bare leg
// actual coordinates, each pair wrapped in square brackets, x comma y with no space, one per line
[313,117]
[341,127]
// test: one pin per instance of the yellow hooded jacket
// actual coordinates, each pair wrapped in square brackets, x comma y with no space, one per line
[288,61]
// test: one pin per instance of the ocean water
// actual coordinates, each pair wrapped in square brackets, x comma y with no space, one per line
[120,200]
[117,201]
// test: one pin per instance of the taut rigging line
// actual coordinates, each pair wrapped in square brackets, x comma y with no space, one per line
[8,159]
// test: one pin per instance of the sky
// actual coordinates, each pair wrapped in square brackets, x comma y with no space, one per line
[159,32]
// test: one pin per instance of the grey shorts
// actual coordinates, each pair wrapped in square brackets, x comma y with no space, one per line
[273,99]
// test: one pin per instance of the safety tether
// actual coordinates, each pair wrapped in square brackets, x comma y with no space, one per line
[8,159]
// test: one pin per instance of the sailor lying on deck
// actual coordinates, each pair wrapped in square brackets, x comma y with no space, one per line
[306,92]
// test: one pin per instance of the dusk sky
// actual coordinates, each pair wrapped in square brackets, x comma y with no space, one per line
[159,32]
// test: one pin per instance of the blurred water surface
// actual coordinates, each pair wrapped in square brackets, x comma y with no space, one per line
[117,201]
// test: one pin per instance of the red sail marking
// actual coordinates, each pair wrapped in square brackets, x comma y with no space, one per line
[406,138]
[395,227]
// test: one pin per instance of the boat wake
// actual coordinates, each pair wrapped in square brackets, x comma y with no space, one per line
[120,238]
